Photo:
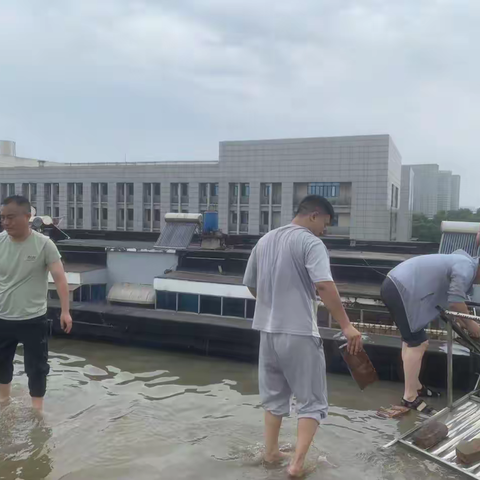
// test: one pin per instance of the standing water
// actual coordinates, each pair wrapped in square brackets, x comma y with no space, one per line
[115,412]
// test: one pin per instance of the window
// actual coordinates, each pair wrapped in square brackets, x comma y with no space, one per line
[48,211]
[147,189]
[95,191]
[396,197]
[235,190]
[392,198]
[184,189]
[245,189]
[70,190]
[148,215]
[96,214]
[266,190]
[121,214]
[250,308]
[79,188]
[234,218]
[56,212]
[156,189]
[175,189]
[104,188]
[71,213]
[56,189]
[334,221]
[214,189]
[130,189]
[327,190]
[80,213]
[203,189]
[130,214]
[105,214]
[85,293]
[98,292]
[244,218]
[157,215]
[187,302]
[48,190]
[210,305]
[265,218]
[234,307]
[167,300]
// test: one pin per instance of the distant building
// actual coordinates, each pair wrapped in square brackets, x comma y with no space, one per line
[435,190]
[255,186]
[455,205]
[405,215]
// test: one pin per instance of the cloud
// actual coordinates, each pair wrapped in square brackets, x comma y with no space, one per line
[94,80]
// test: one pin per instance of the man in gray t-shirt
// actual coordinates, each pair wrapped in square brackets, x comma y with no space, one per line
[26,258]
[286,270]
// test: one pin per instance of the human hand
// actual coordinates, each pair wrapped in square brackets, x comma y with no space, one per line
[66,322]
[354,340]
[473,328]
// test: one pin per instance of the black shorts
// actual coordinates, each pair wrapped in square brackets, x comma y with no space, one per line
[393,300]
[34,336]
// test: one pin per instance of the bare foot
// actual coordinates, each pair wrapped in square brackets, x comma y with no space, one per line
[276,458]
[299,472]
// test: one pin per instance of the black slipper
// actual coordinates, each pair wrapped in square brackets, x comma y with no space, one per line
[427,392]
[419,405]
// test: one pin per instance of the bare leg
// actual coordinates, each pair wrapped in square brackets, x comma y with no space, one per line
[307,427]
[37,403]
[272,431]
[412,363]
[5,390]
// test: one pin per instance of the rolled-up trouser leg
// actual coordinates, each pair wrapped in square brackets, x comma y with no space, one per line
[35,343]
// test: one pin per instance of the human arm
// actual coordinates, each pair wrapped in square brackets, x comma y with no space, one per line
[461,278]
[328,292]
[58,273]
[472,326]
[317,264]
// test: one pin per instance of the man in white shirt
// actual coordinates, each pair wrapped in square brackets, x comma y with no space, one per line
[286,270]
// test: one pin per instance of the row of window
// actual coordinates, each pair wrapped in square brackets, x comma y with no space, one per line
[210,305]
[324,189]
[84,293]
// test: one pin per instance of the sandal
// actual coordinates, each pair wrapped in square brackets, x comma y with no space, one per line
[427,392]
[419,405]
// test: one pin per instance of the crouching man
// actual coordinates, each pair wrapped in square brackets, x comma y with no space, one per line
[411,292]
[26,257]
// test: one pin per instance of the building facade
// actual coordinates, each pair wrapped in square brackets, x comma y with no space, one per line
[435,190]
[255,186]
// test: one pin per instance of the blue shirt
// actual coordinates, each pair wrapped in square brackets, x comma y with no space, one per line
[428,281]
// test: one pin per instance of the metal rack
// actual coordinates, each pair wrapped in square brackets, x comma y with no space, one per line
[461,417]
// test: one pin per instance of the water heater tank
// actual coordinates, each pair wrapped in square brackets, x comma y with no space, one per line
[7,148]
[210,222]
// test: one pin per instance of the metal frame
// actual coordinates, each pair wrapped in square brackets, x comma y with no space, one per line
[451,405]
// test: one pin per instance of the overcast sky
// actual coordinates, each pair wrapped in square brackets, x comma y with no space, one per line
[95,80]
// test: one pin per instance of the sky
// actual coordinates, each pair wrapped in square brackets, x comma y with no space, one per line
[153,80]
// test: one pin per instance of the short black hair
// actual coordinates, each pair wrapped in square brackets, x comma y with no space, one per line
[315,203]
[18,200]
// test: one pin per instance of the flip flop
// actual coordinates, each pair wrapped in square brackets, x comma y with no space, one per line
[427,392]
[419,405]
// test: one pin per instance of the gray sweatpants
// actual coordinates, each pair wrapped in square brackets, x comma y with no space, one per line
[292,365]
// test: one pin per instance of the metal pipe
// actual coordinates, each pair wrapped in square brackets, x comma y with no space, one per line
[462,315]
[449,366]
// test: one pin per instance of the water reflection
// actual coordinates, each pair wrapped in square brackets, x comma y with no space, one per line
[129,413]
[24,448]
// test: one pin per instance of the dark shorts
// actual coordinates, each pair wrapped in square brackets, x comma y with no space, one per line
[392,299]
[34,336]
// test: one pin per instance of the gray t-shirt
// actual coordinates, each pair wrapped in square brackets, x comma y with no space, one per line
[24,276]
[428,281]
[283,268]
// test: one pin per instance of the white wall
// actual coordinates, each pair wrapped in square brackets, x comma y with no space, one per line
[138,267]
